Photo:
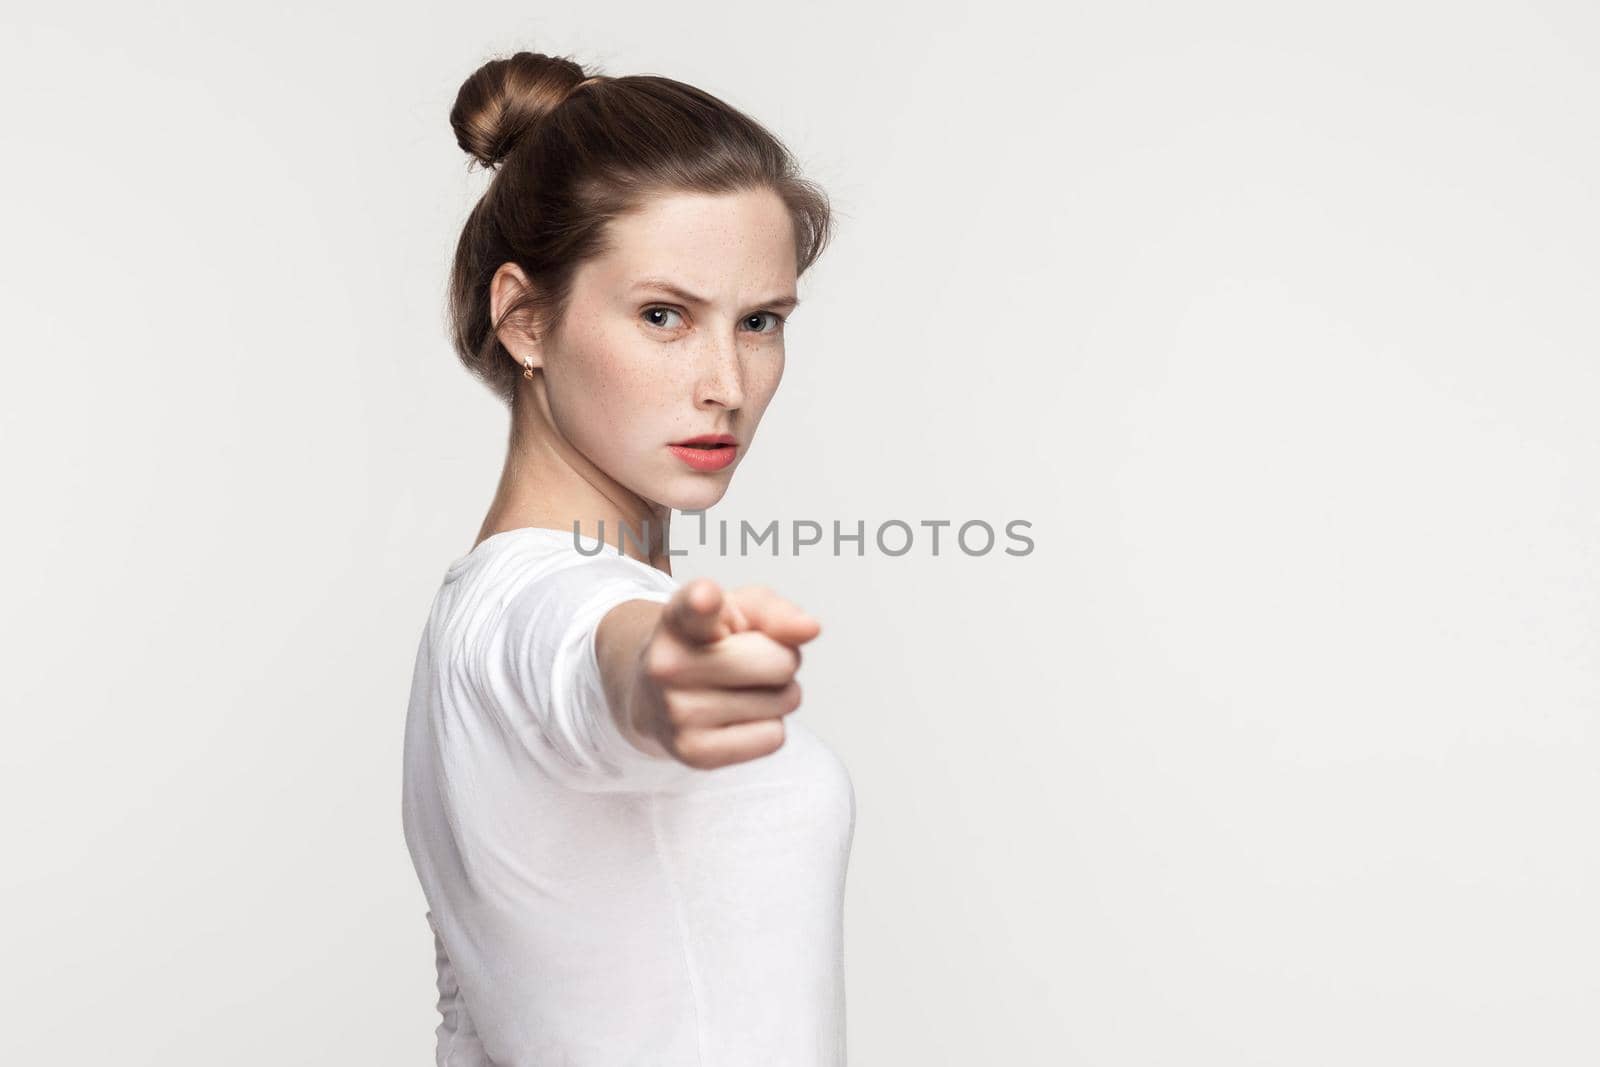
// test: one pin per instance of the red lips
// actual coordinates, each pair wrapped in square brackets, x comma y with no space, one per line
[707,452]
[709,439]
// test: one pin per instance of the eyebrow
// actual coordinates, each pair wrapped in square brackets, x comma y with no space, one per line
[789,301]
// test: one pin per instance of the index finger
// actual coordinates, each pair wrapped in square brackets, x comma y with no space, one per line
[695,614]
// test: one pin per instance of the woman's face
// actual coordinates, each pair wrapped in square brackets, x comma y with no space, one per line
[674,333]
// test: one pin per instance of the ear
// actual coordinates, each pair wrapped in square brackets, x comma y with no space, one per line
[517,333]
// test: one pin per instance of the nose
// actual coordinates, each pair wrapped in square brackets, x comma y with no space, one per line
[721,380]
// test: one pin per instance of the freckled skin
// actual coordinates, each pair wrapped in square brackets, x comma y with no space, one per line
[632,369]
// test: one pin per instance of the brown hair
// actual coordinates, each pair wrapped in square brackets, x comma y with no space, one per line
[572,152]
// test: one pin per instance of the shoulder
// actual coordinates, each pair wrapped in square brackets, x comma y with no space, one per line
[540,576]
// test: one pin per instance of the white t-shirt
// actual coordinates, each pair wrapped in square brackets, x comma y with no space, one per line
[592,905]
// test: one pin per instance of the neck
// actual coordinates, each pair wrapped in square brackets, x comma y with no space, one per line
[547,482]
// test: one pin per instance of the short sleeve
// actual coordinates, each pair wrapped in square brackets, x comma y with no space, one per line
[542,673]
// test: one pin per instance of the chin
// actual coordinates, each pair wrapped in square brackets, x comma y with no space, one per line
[694,492]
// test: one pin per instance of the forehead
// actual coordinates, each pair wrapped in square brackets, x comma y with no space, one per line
[712,243]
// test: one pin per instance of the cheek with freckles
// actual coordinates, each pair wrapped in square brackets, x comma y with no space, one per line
[617,405]
[619,399]
[763,372]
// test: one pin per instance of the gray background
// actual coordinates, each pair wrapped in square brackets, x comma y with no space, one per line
[1276,321]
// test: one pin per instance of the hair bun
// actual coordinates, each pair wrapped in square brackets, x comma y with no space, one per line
[504,98]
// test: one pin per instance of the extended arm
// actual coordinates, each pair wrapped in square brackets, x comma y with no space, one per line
[620,644]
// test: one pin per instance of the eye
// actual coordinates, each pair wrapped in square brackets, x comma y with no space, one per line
[777,321]
[659,310]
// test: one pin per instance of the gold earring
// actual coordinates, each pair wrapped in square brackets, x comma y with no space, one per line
[527,367]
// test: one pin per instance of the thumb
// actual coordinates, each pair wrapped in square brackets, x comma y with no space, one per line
[776,617]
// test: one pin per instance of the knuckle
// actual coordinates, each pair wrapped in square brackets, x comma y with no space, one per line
[688,752]
[779,734]
[780,659]
[784,663]
[700,757]
[679,709]
[660,662]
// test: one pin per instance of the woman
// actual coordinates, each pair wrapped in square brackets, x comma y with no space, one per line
[629,854]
